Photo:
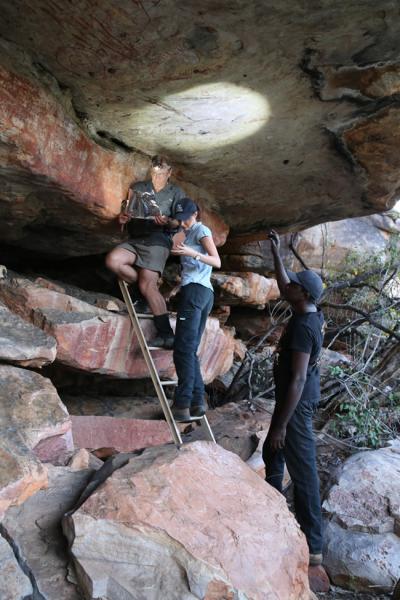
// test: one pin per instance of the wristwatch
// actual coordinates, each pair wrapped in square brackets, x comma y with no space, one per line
[197,257]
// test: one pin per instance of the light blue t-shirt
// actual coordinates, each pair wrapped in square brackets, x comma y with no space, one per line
[194,271]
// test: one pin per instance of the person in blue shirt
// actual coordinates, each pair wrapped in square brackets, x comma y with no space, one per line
[198,256]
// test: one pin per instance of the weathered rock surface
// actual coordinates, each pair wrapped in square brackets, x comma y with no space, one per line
[244,288]
[327,246]
[23,344]
[360,561]
[35,531]
[237,426]
[362,539]
[53,173]
[83,459]
[253,253]
[272,163]
[41,134]
[153,530]
[23,297]
[367,495]
[124,435]
[250,323]
[33,421]
[99,341]
[128,407]
[14,584]
[322,246]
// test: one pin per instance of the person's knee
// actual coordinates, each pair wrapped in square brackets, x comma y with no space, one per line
[112,261]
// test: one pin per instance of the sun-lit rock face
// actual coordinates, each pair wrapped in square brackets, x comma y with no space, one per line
[281,114]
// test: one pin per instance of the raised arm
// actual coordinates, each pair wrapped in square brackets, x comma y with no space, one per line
[279,268]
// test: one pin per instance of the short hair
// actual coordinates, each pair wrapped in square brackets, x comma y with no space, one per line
[158,160]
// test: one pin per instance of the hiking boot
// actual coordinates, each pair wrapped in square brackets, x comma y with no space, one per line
[165,337]
[163,341]
[181,415]
[198,410]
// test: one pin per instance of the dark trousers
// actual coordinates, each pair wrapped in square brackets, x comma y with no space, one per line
[300,456]
[195,304]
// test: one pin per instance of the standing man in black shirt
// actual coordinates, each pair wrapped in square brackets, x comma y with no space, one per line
[143,256]
[297,392]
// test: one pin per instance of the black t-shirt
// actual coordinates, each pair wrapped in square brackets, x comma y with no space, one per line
[304,333]
[145,230]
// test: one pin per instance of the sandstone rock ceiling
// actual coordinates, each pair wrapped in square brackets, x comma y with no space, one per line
[286,113]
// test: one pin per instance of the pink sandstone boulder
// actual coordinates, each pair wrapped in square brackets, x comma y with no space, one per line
[100,341]
[244,288]
[189,523]
[33,424]
[124,435]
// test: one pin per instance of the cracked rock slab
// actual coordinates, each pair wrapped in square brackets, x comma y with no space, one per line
[35,531]
[32,420]
[23,344]
[14,584]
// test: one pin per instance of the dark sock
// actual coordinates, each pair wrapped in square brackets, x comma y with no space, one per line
[163,325]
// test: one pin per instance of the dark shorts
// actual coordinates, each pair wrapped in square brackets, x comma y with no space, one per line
[152,258]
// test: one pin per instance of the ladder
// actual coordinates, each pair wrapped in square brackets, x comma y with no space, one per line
[158,384]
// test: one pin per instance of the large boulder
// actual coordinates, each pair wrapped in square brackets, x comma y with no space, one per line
[35,530]
[34,424]
[362,537]
[23,344]
[244,288]
[189,523]
[102,341]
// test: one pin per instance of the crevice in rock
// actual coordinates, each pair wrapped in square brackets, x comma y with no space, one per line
[105,135]
[307,66]
[22,563]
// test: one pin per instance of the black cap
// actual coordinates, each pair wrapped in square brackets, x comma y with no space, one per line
[310,281]
[184,209]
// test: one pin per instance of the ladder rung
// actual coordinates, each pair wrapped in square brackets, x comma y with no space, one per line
[191,419]
[155,348]
[144,316]
[169,382]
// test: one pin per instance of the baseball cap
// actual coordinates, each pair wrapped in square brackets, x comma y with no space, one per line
[184,209]
[309,280]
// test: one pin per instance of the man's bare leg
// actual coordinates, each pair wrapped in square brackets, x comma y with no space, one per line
[149,289]
[120,261]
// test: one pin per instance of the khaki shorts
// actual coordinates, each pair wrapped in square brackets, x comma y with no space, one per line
[152,258]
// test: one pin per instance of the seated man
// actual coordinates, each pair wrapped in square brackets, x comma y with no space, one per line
[143,256]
